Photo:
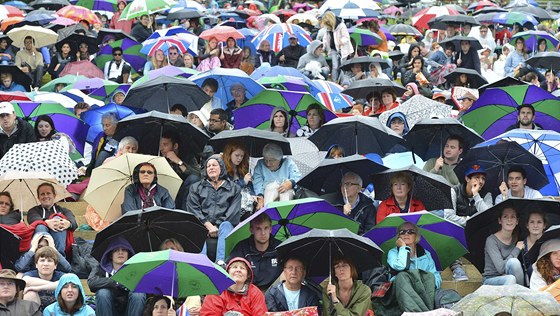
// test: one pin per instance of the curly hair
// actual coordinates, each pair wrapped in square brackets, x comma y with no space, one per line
[243,167]
[546,269]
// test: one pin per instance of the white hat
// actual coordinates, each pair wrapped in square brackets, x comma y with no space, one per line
[6,108]
[548,247]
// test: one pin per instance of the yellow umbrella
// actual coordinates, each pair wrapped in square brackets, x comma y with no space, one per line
[41,36]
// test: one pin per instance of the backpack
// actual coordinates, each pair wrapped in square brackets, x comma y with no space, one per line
[446,298]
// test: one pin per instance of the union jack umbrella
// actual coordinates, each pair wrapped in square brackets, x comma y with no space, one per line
[150,46]
[278,34]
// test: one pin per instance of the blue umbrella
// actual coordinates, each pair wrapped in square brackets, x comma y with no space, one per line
[40,16]
[246,42]
[278,36]
[93,117]
[268,71]
[226,78]
[169,32]
[19,4]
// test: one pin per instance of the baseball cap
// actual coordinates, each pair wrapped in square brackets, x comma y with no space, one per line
[6,108]
[292,36]
[475,169]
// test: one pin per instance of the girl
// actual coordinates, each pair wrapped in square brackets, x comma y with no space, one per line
[210,60]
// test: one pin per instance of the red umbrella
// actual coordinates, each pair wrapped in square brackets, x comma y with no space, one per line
[78,13]
[84,68]
[8,11]
[13,96]
[221,33]
[420,19]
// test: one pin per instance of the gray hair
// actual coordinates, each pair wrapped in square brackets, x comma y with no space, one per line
[237,85]
[110,116]
[273,151]
[356,177]
[128,140]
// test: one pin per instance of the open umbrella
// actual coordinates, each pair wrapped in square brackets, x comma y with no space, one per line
[553,232]
[277,35]
[66,80]
[18,76]
[150,46]
[456,40]
[403,30]
[353,11]
[226,78]
[441,22]
[539,13]
[474,78]
[505,82]
[8,11]
[147,229]
[99,5]
[420,20]
[67,98]
[75,39]
[444,240]
[547,60]
[13,96]
[332,5]
[184,13]
[78,13]
[131,54]
[49,4]
[364,61]
[267,71]
[221,33]
[137,8]
[19,4]
[82,67]
[510,18]
[361,89]
[418,108]
[93,117]
[173,273]
[283,82]
[39,17]
[292,218]
[116,34]
[9,248]
[335,101]
[532,39]
[253,139]
[42,36]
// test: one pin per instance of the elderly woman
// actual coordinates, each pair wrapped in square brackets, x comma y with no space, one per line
[8,215]
[70,298]
[401,200]
[347,295]
[264,54]
[274,177]
[546,270]
[145,192]
[315,119]
[10,301]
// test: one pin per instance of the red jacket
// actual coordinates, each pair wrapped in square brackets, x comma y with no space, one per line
[389,206]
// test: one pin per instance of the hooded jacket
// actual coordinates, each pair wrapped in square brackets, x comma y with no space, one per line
[310,56]
[402,117]
[249,303]
[100,276]
[277,109]
[54,308]
[133,201]
[24,134]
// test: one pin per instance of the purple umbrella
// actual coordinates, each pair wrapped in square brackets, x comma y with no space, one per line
[267,71]
[170,71]
[93,117]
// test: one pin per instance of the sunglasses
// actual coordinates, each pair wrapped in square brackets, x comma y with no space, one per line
[407,232]
[117,54]
[146,172]
[173,53]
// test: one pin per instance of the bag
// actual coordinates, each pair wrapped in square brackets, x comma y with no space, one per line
[82,261]
[378,280]
[446,298]
[305,311]
[553,289]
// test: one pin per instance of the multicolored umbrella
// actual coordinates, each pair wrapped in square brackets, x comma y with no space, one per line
[444,240]
[327,86]
[8,11]
[291,218]
[221,33]
[282,82]
[105,93]
[533,37]
[364,37]
[510,18]
[335,101]
[78,13]
[99,5]
[66,80]
[150,46]
[137,8]
[170,71]
[420,20]
[353,11]
[187,38]
[496,109]
[268,71]
[90,84]
[475,6]
[14,96]
[173,273]
[67,98]
[131,54]
[256,111]
[277,35]
[339,4]
[226,78]
[93,117]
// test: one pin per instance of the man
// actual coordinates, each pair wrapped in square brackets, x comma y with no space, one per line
[238,93]
[169,148]
[289,56]
[13,130]
[117,69]
[468,57]
[467,101]
[525,118]
[80,108]
[104,145]
[217,122]
[445,164]
[260,250]
[451,31]
[10,289]
[7,54]
[175,58]
[315,57]
[143,29]
[292,293]
[111,298]
[8,84]
[42,282]
[59,220]
[30,61]
[516,181]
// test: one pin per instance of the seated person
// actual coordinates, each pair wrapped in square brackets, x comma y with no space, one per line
[59,220]
[27,263]
[144,191]
[10,300]
[315,119]
[516,186]
[260,250]
[8,215]
[291,293]
[547,267]
[400,200]
[42,281]
[70,298]
[104,145]
[8,84]
[242,297]
[451,155]
[398,124]
[111,298]
[536,223]
[30,61]
[210,86]
[313,64]
[159,305]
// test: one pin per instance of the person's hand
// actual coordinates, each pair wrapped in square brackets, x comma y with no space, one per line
[64,224]
[400,242]
[52,224]
[503,188]
[212,230]
[520,245]
[439,164]
[331,292]
[194,311]
[285,186]
[56,67]
[475,186]
[25,69]
[459,61]
[282,58]
[171,155]
[260,202]
[35,242]
[248,178]
[347,209]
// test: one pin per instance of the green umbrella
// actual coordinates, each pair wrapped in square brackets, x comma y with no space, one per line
[137,8]
[66,80]
[107,86]
[291,218]
[131,54]
[102,5]
[364,37]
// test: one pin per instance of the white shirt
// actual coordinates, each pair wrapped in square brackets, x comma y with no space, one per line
[292,297]
[528,194]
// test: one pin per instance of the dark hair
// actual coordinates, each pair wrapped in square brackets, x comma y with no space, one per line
[9,196]
[211,82]
[117,49]
[30,37]
[47,119]
[539,212]
[517,168]
[530,106]
[46,184]
[261,218]
[220,112]
[150,304]
[515,233]
[450,45]
[181,108]
[457,138]
[136,173]
[391,91]
[77,306]
[172,136]
[420,58]
[81,106]
[285,127]
[319,108]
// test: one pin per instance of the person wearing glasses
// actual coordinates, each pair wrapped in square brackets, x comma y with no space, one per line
[117,69]
[144,191]
[11,302]
[401,200]
[175,58]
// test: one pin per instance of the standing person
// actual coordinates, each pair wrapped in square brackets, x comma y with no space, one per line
[30,61]
[468,57]
[516,186]
[117,23]
[70,298]
[144,191]
[231,54]
[11,289]
[143,29]
[117,69]
[446,163]
[289,56]
[336,41]
[401,199]
[264,54]
[525,118]
[13,130]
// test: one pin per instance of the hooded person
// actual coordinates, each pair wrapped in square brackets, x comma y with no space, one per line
[280,122]
[397,122]
[118,96]
[70,298]
[500,63]
[313,64]
[242,297]
[144,191]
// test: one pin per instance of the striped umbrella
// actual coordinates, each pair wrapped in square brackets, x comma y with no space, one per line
[8,11]
[364,37]
[137,8]
[353,11]
[278,34]
[150,46]
[335,101]
[99,5]
[339,4]
[420,20]
[328,86]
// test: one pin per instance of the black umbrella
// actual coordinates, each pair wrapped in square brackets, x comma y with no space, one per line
[489,10]
[320,247]
[486,18]
[432,189]
[474,78]
[483,224]
[361,89]
[496,160]
[553,232]
[396,55]
[427,137]
[49,4]
[326,177]
[254,139]
[547,60]
[148,128]
[403,30]
[357,135]
[18,76]
[117,35]
[147,229]
[504,82]
[9,248]
[73,29]
[441,22]
[161,93]
[365,61]
[75,39]
[456,40]
[539,13]
[185,13]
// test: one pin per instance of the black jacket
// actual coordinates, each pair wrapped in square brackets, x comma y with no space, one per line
[292,55]
[38,213]
[276,299]
[364,212]
[464,206]
[24,134]
[140,32]
[266,266]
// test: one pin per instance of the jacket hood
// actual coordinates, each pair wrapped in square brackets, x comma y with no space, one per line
[414,87]
[136,173]
[313,46]
[217,157]
[249,276]
[276,110]
[402,117]
[119,242]
[70,278]
[332,147]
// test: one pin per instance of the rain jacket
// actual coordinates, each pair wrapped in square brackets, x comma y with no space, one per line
[55,310]
[13,87]
[232,57]
[276,299]
[250,303]
[132,200]
[24,134]
[291,54]
[399,260]
[402,117]
[118,24]
[264,57]
[389,206]
[341,40]
[262,175]
[19,307]
[360,301]
[469,60]
[39,213]
[364,212]
[311,56]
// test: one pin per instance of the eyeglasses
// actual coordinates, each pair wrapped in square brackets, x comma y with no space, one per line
[173,53]
[146,172]
[117,54]
[8,204]
[292,269]
[349,184]
[341,266]
[407,232]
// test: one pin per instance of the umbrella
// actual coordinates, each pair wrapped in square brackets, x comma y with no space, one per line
[131,54]
[256,111]
[303,18]
[49,4]
[327,86]
[164,91]
[267,71]
[432,189]
[49,156]
[105,191]
[362,88]
[548,60]
[364,37]
[18,76]
[305,154]
[428,136]
[327,176]
[335,101]
[66,80]
[67,98]
[339,4]
[278,34]
[137,8]
[553,232]
[456,40]
[253,139]
[60,22]
[539,13]
[226,78]
[475,6]
[169,70]
[357,135]
[496,160]
[283,82]
[9,248]
[148,127]
[40,17]
[99,5]
[19,4]
[42,36]
[403,30]
[221,33]
[496,109]
[444,240]
[420,20]
[173,273]
[13,96]
[320,247]
[505,82]
[83,67]
[150,46]
[417,108]
[364,61]
[116,34]
[187,4]
[75,39]
[474,78]
[353,11]
[184,13]
[93,117]
[8,11]
[292,218]
[78,13]
[533,37]
[146,229]
[510,18]
[441,22]
[97,88]
[483,224]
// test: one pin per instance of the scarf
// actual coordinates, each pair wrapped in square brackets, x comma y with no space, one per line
[147,195]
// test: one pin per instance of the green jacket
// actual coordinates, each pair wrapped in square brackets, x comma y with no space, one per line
[360,301]
[446,171]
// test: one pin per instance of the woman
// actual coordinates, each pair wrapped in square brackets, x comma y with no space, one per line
[8,215]
[389,99]
[499,64]
[547,267]
[198,119]
[231,54]
[419,76]
[45,131]
[264,54]
[541,46]
[236,159]
[501,266]
[411,90]
[315,119]
[347,295]
[59,60]
[242,297]
[158,305]
[376,106]
[536,225]
[157,61]
[400,200]
[406,62]
[516,59]
[397,123]
[462,81]
[210,60]
[247,63]
[117,23]
[336,41]
[188,60]
[551,82]
[145,192]
[274,177]
[376,72]
[70,298]
[279,122]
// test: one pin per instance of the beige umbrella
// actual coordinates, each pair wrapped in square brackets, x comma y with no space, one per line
[42,36]
[105,192]
[22,186]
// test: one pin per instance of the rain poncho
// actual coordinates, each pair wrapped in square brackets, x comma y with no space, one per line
[54,308]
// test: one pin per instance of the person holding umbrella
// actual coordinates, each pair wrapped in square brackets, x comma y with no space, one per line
[516,186]
[468,57]
[450,157]
[400,200]
[236,159]
[144,191]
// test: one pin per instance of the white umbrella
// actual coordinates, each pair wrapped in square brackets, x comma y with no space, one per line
[42,36]
[417,108]
[339,4]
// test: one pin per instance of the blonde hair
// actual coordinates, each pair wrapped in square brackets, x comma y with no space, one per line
[329,20]
[154,61]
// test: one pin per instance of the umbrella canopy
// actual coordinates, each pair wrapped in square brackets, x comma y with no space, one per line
[99,5]
[40,17]
[357,135]
[75,39]
[184,13]
[475,6]
[532,39]
[420,20]
[147,229]
[303,18]
[66,80]
[441,22]
[321,247]
[221,33]
[335,101]
[162,92]
[364,61]
[78,13]
[137,8]
[8,11]
[49,4]
[444,240]
[67,98]
[364,37]
[510,18]
[327,176]
[83,67]
[93,117]
[226,79]
[267,71]
[19,4]
[361,89]
[353,11]
[173,273]
[505,82]
[418,108]
[456,40]
[278,34]
[42,36]
[475,80]
[432,189]
[539,13]
[9,248]
[496,109]
[282,82]
[18,76]
[150,46]
[292,218]
[253,139]
[548,60]
[116,34]
[403,30]
[13,96]
[332,5]
[553,232]
[105,191]
[131,54]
